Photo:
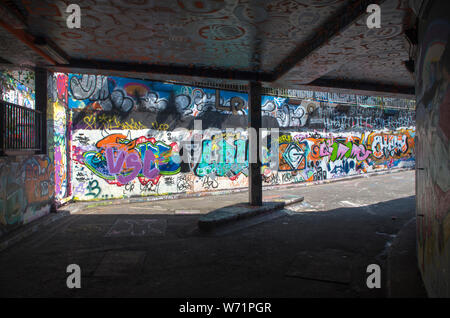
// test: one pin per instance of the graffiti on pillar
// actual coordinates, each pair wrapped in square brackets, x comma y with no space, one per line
[26,190]
[433,143]
[57,126]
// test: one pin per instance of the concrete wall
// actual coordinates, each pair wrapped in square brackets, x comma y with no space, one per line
[26,190]
[27,186]
[58,127]
[433,148]
[17,87]
[148,123]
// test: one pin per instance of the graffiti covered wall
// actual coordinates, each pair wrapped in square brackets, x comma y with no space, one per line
[130,138]
[27,182]
[16,87]
[26,190]
[58,130]
[433,153]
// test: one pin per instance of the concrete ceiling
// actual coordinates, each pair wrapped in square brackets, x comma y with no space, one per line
[303,44]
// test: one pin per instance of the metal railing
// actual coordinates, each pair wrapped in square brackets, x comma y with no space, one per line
[21,128]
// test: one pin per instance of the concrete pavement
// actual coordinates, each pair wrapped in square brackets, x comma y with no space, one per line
[320,247]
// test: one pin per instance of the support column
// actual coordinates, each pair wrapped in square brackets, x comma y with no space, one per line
[40,82]
[254,125]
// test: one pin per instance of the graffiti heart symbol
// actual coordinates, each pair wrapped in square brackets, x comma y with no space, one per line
[90,121]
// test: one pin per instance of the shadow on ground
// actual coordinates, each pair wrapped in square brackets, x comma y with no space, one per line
[294,254]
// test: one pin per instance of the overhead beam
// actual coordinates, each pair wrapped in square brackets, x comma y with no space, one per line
[364,86]
[195,71]
[327,31]
[26,38]
[12,21]
[4,62]
[10,14]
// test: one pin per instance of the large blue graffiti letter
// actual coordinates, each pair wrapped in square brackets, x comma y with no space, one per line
[148,160]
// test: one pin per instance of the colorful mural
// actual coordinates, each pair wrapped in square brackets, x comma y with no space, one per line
[26,190]
[111,137]
[127,139]
[100,102]
[27,182]
[148,162]
[17,92]
[58,125]
[119,159]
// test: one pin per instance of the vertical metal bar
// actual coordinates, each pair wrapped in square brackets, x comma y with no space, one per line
[11,113]
[254,124]
[23,139]
[17,140]
[32,127]
[30,113]
[8,125]
[35,131]
[15,127]
[11,130]
[2,128]
[20,124]
[18,113]
[25,130]
[28,129]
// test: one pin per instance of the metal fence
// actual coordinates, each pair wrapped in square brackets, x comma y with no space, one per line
[21,128]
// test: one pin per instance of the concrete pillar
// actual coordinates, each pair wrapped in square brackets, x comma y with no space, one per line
[432,146]
[40,90]
[254,125]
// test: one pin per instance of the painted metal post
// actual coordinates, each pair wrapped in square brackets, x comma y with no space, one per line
[254,125]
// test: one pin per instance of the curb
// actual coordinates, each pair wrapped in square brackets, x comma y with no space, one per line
[151,198]
[234,213]
[293,201]
[28,229]
[240,212]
